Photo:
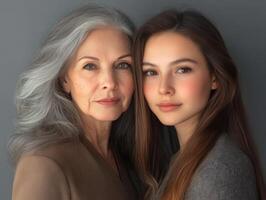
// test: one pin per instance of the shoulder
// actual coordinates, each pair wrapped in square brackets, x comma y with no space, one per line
[226,157]
[61,153]
[39,177]
[61,148]
[226,173]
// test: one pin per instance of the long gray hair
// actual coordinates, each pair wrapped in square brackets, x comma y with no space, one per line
[45,114]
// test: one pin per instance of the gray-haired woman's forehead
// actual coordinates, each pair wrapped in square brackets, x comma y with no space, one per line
[69,32]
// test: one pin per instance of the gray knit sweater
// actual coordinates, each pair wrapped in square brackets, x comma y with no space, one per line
[225,174]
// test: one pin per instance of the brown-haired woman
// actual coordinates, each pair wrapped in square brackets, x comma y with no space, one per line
[187,79]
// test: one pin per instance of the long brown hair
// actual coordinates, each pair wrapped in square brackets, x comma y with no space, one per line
[223,113]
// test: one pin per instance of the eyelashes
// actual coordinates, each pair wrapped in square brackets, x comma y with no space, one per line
[183,70]
[149,72]
[123,65]
[179,70]
[120,65]
[90,66]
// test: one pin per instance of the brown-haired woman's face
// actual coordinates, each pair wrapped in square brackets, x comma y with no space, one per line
[99,77]
[177,82]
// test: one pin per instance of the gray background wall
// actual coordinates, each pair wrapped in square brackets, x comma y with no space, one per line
[25,23]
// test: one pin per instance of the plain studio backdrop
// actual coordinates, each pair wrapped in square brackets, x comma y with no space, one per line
[24,24]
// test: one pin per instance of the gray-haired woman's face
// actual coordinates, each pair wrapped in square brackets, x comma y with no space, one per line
[99,76]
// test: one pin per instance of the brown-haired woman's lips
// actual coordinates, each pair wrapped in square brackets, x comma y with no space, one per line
[167,106]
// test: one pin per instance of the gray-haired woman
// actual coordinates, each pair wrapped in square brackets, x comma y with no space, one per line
[74,112]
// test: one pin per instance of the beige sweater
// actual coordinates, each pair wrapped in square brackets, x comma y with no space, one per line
[68,171]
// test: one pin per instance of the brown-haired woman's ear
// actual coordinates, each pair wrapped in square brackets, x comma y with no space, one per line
[214,83]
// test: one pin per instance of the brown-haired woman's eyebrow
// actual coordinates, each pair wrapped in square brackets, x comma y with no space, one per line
[177,61]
